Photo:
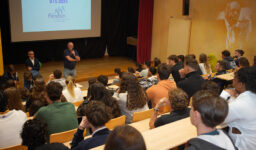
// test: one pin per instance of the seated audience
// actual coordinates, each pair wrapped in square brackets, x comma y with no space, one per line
[204,64]
[10,74]
[117,71]
[157,62]
[181,60]
[212,61]
[131,96]
[131,70]
[161,89]
[56,77]
[139,67]
[241,118]
[211,86]
[53,146]
[25,94]
[91,81]
[238,54]
[14,99]
[193,81]
[243,62]
[178,101]
[32,63]
[125,138]
[144,72]
[118,74]
[59,116]
[11,122]
[100,93]
[208,111]
[175,67]
[28,80]
[35,106]
[150,80]
[95,116]
[230,63]
[71,92]
[220,69]
[104,80]
[34,134]
[9,84]
[38,92]
[152,75]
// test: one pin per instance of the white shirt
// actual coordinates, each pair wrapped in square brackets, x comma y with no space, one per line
[122,99]
[11,125]
[226,96]
[102,128]
[203,69]
[220,140]
[33,61]
[77,92]
[61,81]
[242,115]
[144,73]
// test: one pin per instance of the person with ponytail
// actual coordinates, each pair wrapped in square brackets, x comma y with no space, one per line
[204,64]
[71,92]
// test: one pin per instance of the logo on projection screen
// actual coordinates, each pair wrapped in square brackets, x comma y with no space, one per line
[59,13]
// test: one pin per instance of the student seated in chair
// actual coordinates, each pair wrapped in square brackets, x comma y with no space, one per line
[56,76]
[125,138]
[178,100]
[34,134]
[59,116]
[95,115]
[192,81]
[131,96]
[11,122]
[208,111]
[161,89]
[241,117]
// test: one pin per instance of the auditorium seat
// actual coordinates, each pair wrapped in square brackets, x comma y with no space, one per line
[111,124]
[17,147]
[77,103]
[62,137]
[138,116]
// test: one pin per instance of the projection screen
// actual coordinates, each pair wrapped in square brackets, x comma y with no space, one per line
[34,20]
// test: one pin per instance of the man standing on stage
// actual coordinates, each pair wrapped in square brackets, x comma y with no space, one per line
[71,56]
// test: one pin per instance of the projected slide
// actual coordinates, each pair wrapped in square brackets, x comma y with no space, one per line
[56,15]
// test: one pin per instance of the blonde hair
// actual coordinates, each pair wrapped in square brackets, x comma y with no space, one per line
[204,59]
[70,82]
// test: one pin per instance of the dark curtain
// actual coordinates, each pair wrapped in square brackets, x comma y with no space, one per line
[116,25]
[145,30]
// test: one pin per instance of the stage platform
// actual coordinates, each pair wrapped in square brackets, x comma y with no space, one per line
[85,68]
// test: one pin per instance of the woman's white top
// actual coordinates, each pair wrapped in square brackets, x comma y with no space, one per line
[11,125]
[78,95]
[144,73]
[122,99]
[242,115]
[203,69]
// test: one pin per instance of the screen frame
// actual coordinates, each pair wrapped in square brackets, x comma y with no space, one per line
[17,34]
